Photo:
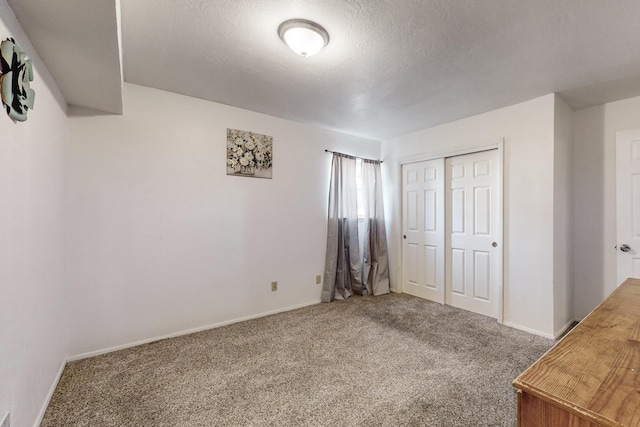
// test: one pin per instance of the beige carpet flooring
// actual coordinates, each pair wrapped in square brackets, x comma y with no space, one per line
[392,360]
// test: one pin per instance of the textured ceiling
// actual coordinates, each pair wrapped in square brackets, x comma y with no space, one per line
[391,66]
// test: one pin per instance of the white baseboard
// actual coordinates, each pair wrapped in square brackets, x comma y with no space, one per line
[531,331]
[187,332]
[52,389]
[563,329]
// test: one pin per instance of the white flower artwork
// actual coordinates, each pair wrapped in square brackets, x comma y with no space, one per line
[249,154]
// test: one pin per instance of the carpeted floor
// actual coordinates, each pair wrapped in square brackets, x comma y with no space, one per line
[392,360]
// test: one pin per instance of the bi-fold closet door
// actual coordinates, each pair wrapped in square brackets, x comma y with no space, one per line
[452,231]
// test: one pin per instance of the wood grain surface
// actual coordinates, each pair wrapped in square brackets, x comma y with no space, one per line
[594,371]
[535,412]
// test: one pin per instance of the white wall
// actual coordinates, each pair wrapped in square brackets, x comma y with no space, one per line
[595,198]
[528,133]
[161,240]
[562,217]
[33,337]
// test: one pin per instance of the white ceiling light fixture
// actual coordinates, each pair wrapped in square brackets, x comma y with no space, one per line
[304,37]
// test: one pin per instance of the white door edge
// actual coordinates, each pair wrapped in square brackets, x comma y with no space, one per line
[625,214]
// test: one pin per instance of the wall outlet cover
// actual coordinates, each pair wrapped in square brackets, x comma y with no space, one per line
[318,279]
[274,286]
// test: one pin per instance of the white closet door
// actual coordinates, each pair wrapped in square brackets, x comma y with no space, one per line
[473,232]
[423,250]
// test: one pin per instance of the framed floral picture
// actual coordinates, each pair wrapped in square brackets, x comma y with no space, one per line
[249,154]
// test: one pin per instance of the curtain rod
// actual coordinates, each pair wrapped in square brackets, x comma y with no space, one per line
[355,157]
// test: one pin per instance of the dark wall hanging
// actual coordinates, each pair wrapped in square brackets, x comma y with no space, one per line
[15,74]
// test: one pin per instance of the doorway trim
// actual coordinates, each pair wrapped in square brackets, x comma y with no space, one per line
[439,154]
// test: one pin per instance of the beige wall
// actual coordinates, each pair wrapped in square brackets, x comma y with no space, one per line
[563,217]
[594,153]
[33,329]
[162,241]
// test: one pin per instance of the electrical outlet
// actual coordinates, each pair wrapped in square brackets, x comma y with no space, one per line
[318,279]
[274,286]
[6,422]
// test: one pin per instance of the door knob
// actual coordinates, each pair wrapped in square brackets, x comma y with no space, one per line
[494,244]
[404,236]
[625,248]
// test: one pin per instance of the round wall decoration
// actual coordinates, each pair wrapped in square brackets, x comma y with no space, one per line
[15,74]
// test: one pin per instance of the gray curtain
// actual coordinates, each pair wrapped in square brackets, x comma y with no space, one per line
[347,272]
[376,261]
[342,275]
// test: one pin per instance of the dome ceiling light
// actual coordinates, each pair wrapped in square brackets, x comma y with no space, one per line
[304,37]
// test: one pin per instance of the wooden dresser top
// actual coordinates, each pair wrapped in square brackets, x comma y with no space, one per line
[594,371]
